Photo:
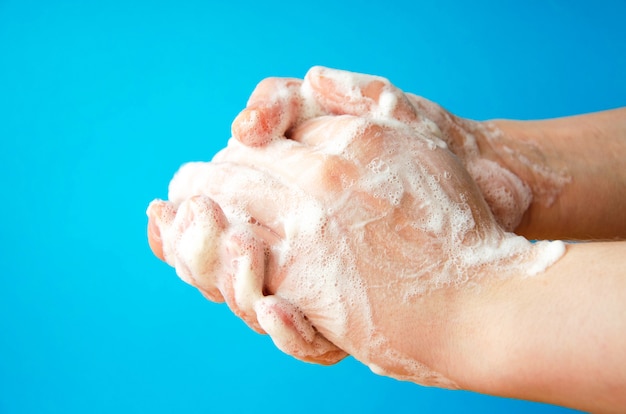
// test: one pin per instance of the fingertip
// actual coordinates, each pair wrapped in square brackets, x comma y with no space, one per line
[253,127]
[343,92]
[154,240]
[284,323]
[214,295]
[293,334]
[271,111]
[205,208]
[315,79]
[272,90]
[155,210]
[337,91]
[314,73]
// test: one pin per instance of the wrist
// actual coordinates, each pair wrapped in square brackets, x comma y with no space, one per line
[544,338]
[529,151]
[489,351]
[572,161]
[456,327]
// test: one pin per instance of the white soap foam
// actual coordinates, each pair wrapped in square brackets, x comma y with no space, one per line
[321,268]
[507,195]
[460,250]
[325,255]
[248,280]
[309,106]
[323,277]
[191,242]
[549,181]
[411,370]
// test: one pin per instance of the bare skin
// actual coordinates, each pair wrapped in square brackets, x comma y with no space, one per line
[591,149]
[483,326]
[555,338]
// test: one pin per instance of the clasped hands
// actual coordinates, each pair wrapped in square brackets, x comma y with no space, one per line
[342,213]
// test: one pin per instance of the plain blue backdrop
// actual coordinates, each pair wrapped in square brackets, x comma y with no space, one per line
[101,101]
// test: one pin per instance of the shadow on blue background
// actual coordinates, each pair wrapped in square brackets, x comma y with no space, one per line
[100,102]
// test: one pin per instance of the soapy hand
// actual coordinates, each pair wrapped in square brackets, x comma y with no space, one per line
[335,234]
[221,230]
[279,104]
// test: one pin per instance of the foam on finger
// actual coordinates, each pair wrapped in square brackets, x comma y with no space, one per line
[292,333]
[248,273]
[273,108]
[336,265]
[342,92]
[197,233]
[161,216]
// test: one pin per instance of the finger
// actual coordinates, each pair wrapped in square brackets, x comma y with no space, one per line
[245,194]
[426,107]
[293,334]
[253,200]
[341,92]
[354,138]
[302,171]
[330,134]
[253,188]
[272,109]
[243,284]
[160,217]
[507,196]
[445,125]
[200,226]
[272,90]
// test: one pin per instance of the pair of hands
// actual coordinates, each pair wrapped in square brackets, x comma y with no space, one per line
[343,217]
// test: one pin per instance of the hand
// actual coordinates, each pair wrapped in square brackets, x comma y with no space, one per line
[356,234]
[508,172]
[226,249]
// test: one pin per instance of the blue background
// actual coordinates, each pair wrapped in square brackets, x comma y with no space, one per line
[100,102]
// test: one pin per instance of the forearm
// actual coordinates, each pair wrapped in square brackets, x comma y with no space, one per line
[559,337]
[575,167]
